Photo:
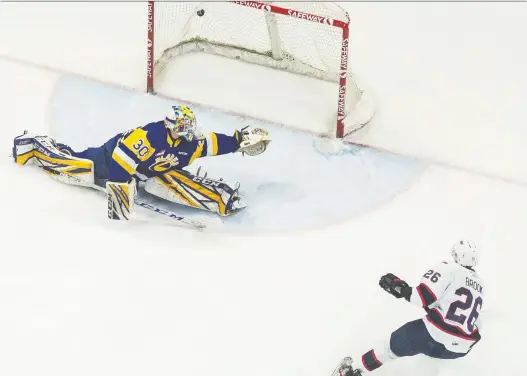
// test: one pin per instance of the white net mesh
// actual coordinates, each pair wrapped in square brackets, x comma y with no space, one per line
[245,28]
[291,42]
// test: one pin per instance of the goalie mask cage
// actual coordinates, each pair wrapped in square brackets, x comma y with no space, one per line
[306,38]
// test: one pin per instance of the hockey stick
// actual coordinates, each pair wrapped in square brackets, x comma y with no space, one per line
[189,221]
[167,213]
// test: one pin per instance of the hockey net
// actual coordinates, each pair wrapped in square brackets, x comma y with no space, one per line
[306,38]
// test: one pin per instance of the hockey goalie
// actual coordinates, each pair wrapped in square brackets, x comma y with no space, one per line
[155,156]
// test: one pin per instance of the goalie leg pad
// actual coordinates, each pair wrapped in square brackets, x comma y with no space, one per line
[195,191]
[42,151]
[121,198]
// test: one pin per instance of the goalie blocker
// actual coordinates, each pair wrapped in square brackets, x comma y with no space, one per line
[177,186]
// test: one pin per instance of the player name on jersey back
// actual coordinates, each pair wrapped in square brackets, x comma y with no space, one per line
[474,285]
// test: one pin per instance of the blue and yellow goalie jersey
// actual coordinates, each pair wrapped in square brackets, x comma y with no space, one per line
[150,151]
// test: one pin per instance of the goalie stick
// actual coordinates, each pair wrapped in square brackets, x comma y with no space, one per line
[189,221]
[196,223]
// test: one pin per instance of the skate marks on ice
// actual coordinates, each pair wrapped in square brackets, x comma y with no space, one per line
[289,187]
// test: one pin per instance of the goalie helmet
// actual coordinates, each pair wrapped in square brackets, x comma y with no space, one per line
[181,121]
[465,253]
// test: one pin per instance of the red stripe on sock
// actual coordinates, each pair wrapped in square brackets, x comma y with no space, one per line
[375,358]
[365,365]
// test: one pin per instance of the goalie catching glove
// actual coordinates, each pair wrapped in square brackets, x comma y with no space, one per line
[121,198]
[253,141]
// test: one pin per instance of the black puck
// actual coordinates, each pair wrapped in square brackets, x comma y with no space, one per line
[201,12]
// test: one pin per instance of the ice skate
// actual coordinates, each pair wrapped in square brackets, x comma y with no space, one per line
[345,368]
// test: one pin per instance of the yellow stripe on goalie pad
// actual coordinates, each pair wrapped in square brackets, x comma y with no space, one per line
[23,158]
[200,189]
[66,166]
[177,189]
[122,192]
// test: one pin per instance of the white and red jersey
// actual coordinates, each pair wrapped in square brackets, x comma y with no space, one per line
[453,297]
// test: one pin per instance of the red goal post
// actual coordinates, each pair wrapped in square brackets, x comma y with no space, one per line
[307,38]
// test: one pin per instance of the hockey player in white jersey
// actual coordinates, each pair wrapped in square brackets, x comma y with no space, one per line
[452,295]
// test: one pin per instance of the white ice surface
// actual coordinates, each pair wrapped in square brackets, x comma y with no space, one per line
[82,296]
[449,78]
[311,190]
